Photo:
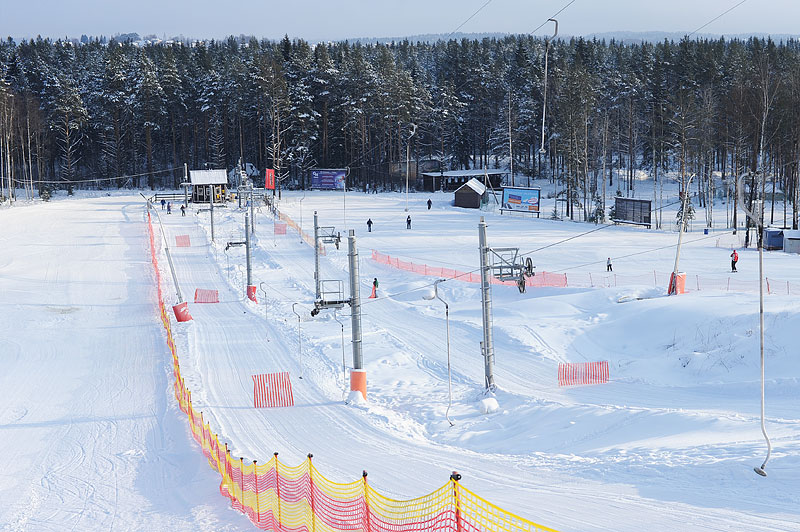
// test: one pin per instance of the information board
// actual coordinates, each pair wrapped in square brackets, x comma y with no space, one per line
[328,179]
[521,199]
[632,211]
[269,182]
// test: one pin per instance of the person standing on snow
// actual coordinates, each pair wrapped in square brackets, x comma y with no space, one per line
[408,222]
[163,203]
[169,207]
[183,210]
[429,203]
[734,260]
[369,225]
[608,265]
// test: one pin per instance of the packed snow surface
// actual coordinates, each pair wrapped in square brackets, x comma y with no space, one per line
[93,439]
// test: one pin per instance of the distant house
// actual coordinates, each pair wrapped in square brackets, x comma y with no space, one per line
[203,181]
[453,179]
[471,194]
[791,241]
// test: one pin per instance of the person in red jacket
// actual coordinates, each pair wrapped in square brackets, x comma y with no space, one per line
[734,260]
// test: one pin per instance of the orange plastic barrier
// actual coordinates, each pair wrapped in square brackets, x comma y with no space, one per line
[183,241]
[201,295]
[278,497]
[279,229]
[570,374]
[541,279]
[272,390]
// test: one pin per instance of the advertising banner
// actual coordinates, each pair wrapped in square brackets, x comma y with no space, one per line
[328,179]
[521,199]
[269,183]
[631,210]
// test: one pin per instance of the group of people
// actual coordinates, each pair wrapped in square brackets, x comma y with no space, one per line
[168,205]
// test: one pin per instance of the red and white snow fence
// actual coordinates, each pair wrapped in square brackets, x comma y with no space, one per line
[574,373]
[279,229]
[183,241]
[272,390]
[201,295]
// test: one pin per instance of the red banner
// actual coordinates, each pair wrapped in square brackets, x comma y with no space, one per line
[269,183]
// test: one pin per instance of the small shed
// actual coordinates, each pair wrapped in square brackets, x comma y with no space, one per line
[791,241]
[204,181]
[471,194]
[453,179]
[773,238]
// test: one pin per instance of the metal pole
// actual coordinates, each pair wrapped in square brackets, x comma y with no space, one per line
[186,185]
[252,211]
[316,256]
[211,200]
[408,159]
[169,255]
[247,248]
[449,373]
[544,97]
[355,303]
[344,363]
[673,287]
[486,308]
[299,341]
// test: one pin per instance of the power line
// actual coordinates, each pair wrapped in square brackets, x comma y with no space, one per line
[540,26]
[717,17]
[470,17]
[70,182]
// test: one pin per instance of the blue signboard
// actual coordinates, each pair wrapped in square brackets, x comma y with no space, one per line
[521,199]
[328,179]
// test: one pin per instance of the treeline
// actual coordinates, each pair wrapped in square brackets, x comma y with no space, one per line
[693,108]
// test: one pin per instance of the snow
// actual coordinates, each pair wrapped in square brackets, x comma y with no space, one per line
[669,443]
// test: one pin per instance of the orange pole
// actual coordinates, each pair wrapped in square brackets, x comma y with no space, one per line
[311,482]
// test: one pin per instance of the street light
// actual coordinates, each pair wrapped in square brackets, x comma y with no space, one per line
[408,159]
[449,373]
[758,219]
[544,97]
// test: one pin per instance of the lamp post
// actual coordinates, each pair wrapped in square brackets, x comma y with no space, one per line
[544,96]
[408,159]
[449,372]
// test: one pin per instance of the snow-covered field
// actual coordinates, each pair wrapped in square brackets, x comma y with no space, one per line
[94,440]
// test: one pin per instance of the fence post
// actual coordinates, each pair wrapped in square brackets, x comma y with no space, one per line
[366,502]
[591,283]
[255,476]
[655,279]
[697,281]
[241,476]
[313,505]
[277,487]
[202,431]
[454,478]
[729,284]
[788,292]
[767,279]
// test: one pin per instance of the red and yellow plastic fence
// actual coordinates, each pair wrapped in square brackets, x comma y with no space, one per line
[278,497]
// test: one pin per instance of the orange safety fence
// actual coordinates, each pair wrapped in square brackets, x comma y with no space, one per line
[541,279]
[595,280]
[278,497]
[308,239]
[572,373]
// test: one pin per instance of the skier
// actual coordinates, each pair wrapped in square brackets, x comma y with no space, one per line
[183,210]
[734,260]
[408,222]
[369,225]
[608,265]
[429,203]
[169,207]
[375,285]
[163,202]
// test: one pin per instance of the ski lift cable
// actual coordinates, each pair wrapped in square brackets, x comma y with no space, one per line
[471,17]
[540,26]
[717,17]
[70,182]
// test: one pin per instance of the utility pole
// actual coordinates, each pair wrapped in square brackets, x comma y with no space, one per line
[316,257]
[211,202]
[252,211]
[247,253]
[510,144]
[487,346]
[186,185]
[544,97]
[673,282]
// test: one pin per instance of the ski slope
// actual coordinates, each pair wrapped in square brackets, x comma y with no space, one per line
[90,435]
[669,443]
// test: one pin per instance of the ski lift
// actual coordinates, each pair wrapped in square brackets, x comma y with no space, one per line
[331,295]
[508,265]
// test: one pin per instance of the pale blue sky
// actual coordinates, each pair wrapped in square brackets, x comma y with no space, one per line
[340,19]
